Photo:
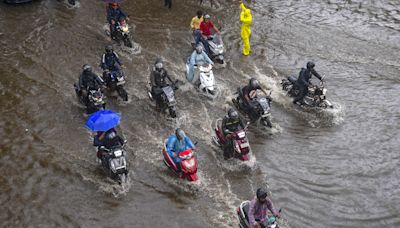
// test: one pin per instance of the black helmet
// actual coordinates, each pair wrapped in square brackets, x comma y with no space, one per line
[199,13]
[109,48]
[180,134]
[261,193]
[87,68]
[253,83]
[158,64]
[233,114]
[310,65]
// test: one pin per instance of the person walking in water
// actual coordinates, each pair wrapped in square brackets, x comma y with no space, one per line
[246,18]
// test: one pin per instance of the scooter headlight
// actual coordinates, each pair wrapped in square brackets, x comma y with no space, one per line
[124,28]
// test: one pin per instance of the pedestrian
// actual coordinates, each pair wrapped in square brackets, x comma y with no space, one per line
[246,18]
[168,3]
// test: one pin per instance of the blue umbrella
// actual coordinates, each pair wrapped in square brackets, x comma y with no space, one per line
[103,120]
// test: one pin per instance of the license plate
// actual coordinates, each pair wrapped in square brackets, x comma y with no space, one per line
[121,83]
[244,145]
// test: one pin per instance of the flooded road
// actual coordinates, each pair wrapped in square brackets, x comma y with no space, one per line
[330,169]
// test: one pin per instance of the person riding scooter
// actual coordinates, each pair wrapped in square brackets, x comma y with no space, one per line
[259,207]
[249,92]
[197,58]
[110,60]
[231,123]
[195,26]
[304,81]
[114,14]
[177,143]
[205,28]
[88,81]
[158,79]
[109,139]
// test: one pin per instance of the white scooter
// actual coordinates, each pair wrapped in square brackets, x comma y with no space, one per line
[203,79]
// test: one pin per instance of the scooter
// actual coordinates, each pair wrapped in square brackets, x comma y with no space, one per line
[122,33]
[203,79]
[261,112]
[114,163]
[167,99]
[242,213]
[188,164]
[316,97]
[95,100]
[216,48]
[240,144]
[115,81]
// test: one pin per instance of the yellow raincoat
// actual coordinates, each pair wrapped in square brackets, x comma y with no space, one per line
[246,18]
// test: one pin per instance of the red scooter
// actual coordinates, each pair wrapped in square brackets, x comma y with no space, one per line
[241,146]
[188,164]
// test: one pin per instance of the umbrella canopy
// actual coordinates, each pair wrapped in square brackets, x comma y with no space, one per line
[103,120]
[112,1]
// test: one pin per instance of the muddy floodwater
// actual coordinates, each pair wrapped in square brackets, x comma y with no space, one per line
[336,168]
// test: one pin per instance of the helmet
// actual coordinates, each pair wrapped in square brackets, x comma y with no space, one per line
[111,135]
[261,194]
[109,48]
[310,65]
[114,4]
[180,134]
[253,83]
[87,68]
[207,16]
[159,64]
[233,114]
[199,49]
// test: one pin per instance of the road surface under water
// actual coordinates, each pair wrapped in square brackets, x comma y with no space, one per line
[337,168]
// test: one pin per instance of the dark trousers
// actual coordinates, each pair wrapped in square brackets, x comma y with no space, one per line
[302,94]
[228,148]
[168,3]
[197,36]
[206,45]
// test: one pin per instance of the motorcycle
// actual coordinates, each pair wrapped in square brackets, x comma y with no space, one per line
[261,111]
[216,48]
[122,33]
[115,81]
[242,213]
[114,163]
[95,100]
[315,98]
[166,100]
[188,164]
[240,144]
[203,79]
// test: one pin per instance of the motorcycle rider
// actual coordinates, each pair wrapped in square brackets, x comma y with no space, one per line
[177,143]
[88,80]
[249,92]
[231,123]
[114,14]
[197,58]
[259,207]
[195,25]
[205,28]
[110,60]
[109,139]
[304,81]
[158,79]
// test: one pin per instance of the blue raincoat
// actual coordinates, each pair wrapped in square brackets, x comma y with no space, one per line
[174,146]
[197,59]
